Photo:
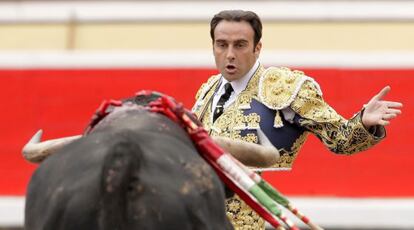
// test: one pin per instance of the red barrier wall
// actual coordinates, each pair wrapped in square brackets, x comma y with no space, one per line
[62,101]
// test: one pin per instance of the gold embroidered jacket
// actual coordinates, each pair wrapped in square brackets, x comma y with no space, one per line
[286,105]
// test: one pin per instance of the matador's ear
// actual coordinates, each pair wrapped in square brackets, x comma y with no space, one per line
[257,49]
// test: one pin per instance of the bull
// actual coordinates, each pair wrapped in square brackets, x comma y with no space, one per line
[135,170]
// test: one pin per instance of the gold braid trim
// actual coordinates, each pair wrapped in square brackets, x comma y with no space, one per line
[203,97]
[205,87]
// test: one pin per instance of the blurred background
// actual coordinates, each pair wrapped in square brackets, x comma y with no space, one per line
[60,59]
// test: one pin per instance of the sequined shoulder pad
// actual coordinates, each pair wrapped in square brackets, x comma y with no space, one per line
[205,87]
[279,86]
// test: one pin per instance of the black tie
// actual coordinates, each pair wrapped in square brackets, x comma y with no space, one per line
[220,104]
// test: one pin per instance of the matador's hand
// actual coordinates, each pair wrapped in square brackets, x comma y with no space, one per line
[379,112]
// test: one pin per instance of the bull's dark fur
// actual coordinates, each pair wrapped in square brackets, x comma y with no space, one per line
[136,170]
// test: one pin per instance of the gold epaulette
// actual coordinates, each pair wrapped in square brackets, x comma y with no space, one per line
[279,87]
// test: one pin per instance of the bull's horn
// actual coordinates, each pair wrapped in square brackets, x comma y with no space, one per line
[248,153]
[36,151]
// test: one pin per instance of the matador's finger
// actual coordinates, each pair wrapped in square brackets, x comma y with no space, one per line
[382,93]
[383,122]
[389,116]
[393,104]
[393,111]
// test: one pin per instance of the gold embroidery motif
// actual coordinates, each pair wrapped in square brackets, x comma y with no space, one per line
[285,160]
[239,121]
[242,216]
[252,120]
[250,137]
[244,101]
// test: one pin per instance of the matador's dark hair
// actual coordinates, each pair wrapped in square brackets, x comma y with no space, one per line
[238,15]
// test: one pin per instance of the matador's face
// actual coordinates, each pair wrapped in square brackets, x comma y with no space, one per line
[233,48]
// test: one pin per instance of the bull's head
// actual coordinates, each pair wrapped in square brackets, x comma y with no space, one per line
[248,153]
